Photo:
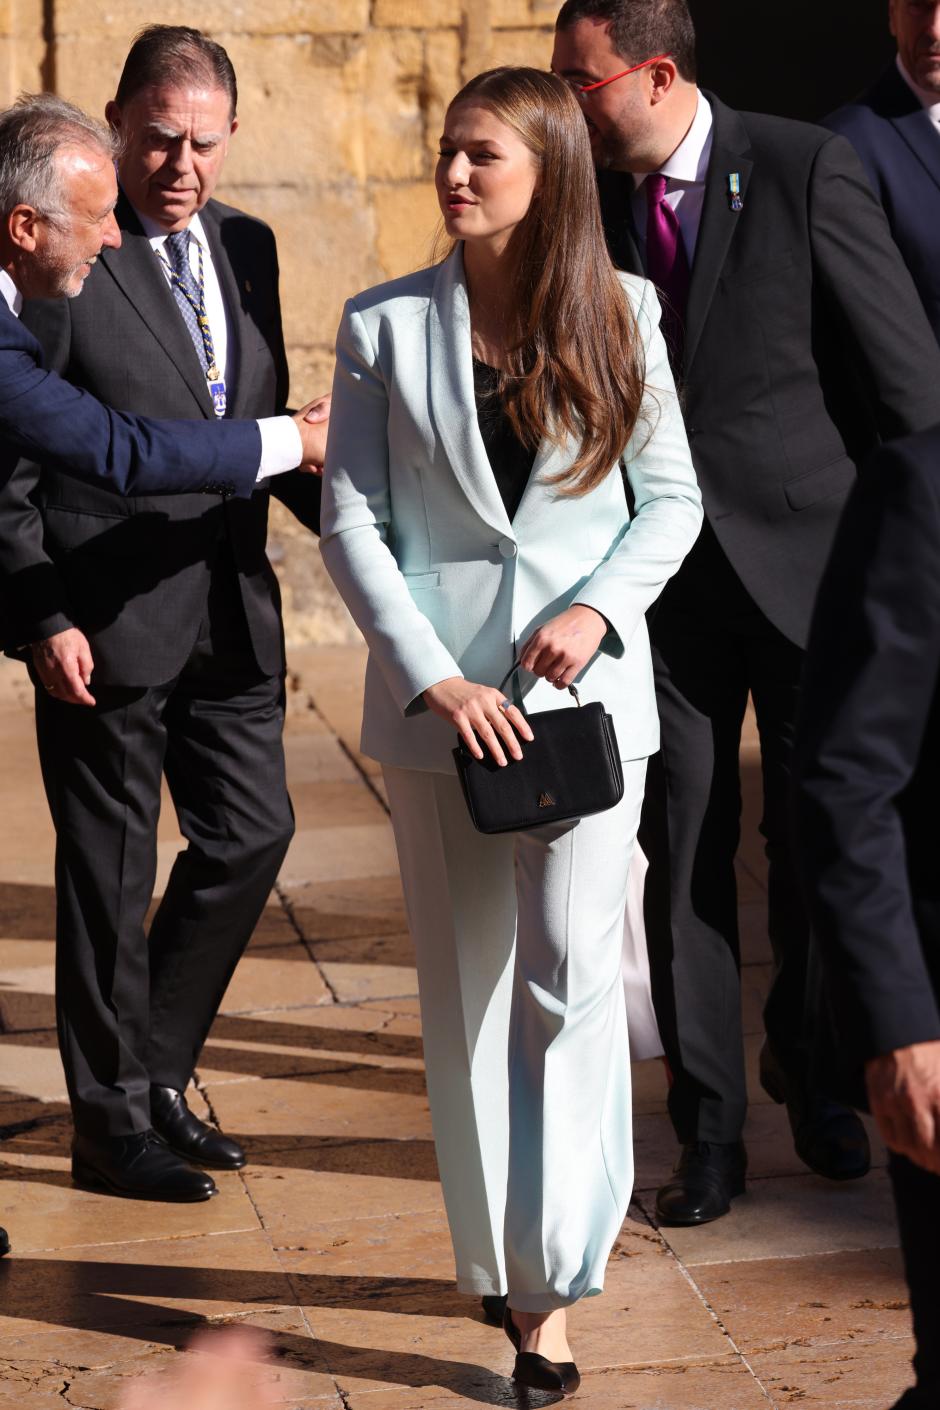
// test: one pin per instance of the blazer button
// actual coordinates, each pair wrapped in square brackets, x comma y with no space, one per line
[507,548]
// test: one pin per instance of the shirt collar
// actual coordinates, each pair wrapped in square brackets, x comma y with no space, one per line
[689,162]
[930,102]
[157,235]
[11,294]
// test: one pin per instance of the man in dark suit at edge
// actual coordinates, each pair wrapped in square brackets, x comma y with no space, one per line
[895,129]
[157,644]
[867,769]
[798,341]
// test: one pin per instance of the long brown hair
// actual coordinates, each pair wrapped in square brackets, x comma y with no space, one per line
[574,357]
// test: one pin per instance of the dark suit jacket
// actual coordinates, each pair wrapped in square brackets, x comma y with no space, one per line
[42,415]
[134,574]
[899,147]
[868,758]
[806,342]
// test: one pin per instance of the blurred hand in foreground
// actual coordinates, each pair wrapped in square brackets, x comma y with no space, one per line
[224,1370]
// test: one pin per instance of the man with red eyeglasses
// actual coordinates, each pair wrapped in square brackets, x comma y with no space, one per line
[799,342]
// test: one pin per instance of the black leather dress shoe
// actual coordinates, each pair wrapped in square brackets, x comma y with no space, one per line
[828,1137]
[138,1167]
[4,1242]
[708,1176]
[189,1137]
[537,1372]
[494,1308]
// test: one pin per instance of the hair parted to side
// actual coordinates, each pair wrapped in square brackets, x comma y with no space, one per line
[32,132]
[575,364]
[176,56]
[641,29]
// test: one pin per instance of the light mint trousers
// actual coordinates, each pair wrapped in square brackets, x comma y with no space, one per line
[518,941]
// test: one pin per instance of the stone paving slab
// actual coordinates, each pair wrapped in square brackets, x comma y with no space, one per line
[333,1239]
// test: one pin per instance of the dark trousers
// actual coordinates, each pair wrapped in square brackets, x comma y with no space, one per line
[711,648]
[917,1198]
[135,1009]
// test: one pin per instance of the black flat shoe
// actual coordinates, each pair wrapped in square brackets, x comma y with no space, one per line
[187,1136]
[494,1308]
[138,1167]
[4,1242]
[708,1176]
[539,1374]
[828,1137]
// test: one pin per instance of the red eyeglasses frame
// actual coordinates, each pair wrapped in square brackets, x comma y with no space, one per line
[590,87]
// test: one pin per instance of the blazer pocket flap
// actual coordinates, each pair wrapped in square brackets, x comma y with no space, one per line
[828,480]
[118,536]
[417,581]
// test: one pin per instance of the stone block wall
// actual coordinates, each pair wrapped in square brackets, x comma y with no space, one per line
[340,108]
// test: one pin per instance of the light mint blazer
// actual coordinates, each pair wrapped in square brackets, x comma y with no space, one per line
[417,540]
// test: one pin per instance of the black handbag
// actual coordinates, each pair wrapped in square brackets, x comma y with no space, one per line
[570,770]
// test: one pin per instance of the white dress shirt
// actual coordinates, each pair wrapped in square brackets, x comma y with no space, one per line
[930,102]
[685,174]
[281,446]
[11,294]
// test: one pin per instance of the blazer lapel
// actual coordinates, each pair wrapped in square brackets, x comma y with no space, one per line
[730,149]
[134,268]
[242,347]
[451,394]
[894,100]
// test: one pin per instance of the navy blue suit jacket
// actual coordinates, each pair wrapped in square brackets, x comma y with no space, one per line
[868,764]
[899,148]
[49,420]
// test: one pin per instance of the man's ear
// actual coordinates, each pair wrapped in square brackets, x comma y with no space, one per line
[663,76]
[112,115]
[22,225]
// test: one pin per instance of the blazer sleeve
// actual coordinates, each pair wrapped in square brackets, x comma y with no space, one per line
[861,271]
[49,420]
[35,599]
[356,520]
[871,677]
[668,503]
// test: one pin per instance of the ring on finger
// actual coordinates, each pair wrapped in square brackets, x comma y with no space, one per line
[505,705]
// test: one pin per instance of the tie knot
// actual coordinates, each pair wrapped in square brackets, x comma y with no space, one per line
[655,189]
[177,246]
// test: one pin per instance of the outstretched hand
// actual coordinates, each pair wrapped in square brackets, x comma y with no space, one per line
[313,423]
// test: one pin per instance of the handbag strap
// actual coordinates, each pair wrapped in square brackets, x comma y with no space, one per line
[517,666]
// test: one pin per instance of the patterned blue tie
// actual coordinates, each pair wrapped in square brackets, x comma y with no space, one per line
[177,247]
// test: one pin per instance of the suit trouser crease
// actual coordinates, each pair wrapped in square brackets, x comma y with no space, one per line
[518,943]
[706,660]
[133,1009]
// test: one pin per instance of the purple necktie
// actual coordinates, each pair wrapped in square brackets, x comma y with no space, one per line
[667,264]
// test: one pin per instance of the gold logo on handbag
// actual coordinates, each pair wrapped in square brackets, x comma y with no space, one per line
[546,800]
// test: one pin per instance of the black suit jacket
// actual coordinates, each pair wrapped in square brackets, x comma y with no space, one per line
[134,573]
[899,147]
[868,759]
[805,343]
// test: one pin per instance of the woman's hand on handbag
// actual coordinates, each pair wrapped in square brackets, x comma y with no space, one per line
[560,650]
[478,712]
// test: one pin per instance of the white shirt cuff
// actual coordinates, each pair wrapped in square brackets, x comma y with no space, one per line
[281,446]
